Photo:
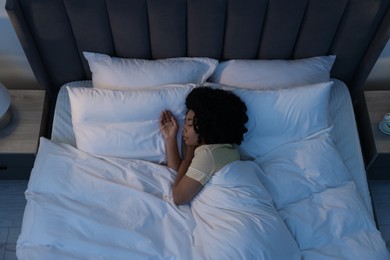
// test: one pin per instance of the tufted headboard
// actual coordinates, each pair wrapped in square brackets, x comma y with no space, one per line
[53,33]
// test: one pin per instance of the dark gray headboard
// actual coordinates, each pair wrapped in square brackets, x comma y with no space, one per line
[54,33]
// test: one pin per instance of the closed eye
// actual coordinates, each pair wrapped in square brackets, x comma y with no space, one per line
[188,122]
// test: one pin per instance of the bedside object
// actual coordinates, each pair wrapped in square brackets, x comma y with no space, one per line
[5,106]
[384,126]
[378,154]
[19,138]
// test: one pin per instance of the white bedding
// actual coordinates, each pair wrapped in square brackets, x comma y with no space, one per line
[319,202]
[306,199]
[81,206]
[341,112]
[84,207]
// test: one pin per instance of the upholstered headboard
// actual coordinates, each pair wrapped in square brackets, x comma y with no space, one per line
[54,33]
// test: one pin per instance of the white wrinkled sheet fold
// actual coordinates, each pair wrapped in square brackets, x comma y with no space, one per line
[85,207]
[319,201]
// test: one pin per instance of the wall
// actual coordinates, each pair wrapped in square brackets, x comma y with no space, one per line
[379,77]
[15,71]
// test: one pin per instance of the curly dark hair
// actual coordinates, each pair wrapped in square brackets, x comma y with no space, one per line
[220,115]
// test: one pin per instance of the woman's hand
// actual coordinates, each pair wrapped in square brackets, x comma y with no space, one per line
[168,125]
[169,129]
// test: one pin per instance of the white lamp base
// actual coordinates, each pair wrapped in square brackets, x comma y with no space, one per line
[5,106]
[6,118]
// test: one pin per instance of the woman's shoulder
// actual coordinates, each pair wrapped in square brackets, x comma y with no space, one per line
[216,149]
[212,147]
[217,154]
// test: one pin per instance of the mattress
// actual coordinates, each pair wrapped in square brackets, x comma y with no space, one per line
[341,114]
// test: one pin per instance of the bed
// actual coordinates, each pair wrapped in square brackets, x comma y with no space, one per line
[100,189]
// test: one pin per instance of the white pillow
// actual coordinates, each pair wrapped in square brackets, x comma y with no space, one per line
[125,124]
[281,116]
[272,74]
[122,74]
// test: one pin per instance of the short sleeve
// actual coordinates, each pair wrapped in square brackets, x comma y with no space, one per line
[202,165]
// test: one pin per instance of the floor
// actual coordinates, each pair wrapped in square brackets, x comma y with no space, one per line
[380,194]
[12,203]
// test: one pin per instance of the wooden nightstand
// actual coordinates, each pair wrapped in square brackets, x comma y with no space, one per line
[19,139]
[378,154]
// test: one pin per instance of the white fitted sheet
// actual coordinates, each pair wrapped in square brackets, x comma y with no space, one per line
[341,112]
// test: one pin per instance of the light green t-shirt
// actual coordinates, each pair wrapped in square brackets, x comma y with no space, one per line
[208,159]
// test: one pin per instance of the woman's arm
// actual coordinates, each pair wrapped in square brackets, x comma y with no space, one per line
[184,187]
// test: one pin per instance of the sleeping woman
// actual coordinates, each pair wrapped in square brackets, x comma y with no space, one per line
[214,122]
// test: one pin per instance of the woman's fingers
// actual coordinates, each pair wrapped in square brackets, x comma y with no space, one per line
[164,117]
[168,121]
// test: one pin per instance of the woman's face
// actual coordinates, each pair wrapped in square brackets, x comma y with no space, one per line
[190,137]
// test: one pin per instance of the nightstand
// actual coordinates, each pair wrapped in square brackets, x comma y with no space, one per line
[19,139]
[378,154]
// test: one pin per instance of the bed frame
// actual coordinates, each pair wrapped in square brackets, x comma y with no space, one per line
[53,33]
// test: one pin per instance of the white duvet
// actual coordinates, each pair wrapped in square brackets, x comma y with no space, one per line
[318,200]
[84,207]
[296,202]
